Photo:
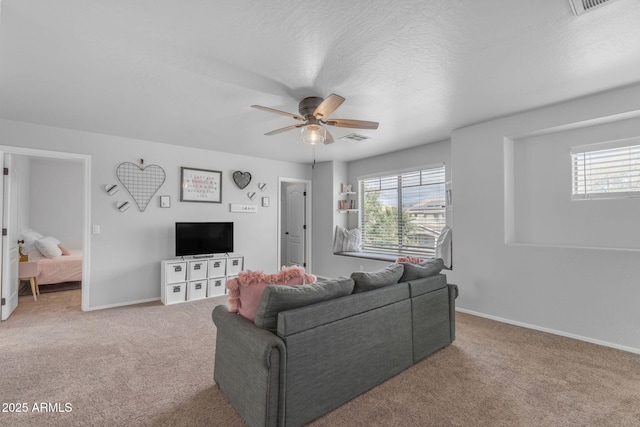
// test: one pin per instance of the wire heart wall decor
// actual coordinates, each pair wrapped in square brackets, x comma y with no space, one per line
[141,182]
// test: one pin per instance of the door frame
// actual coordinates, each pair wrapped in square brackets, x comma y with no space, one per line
[10,247]
[307,243]
[86,194]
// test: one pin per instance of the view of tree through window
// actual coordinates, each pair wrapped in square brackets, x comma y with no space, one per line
[403,213]
[613,172]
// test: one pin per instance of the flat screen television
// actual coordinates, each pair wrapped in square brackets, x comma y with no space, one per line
[203,238]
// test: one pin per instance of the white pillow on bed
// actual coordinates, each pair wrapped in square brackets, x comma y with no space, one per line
[48,247]
[28,247]
[30,236]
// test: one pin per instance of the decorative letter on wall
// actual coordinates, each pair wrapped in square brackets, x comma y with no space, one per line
[141,183]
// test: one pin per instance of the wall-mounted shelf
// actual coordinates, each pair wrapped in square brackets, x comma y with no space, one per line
[348,201]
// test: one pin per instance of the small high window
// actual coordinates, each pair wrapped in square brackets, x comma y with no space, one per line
[606,172]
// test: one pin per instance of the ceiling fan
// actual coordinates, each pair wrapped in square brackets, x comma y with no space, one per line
[313,112]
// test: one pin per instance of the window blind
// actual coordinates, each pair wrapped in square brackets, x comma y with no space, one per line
[606,173]
[403,213]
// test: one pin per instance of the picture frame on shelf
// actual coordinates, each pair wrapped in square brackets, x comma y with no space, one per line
[200,185]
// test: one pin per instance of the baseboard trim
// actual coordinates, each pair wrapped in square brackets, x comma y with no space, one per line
[551,331]
[122,304]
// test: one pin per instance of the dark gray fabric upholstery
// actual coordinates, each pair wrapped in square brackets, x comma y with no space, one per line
[431,330]
[249,367]
[300,319]
[326,353]
[427,268]
[367,281]
[332,363]
[276,298]
[453,294]
[427,284]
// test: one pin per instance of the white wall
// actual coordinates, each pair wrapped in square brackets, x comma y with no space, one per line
[124,258]
[540,280]
[56,206]
[327,178]
[544,212]
[322,219]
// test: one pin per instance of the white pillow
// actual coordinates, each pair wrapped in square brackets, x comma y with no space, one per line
[30,236]
[347,240]
[48,247]
[28,247]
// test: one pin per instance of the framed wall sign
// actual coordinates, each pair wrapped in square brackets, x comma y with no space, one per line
[200,185]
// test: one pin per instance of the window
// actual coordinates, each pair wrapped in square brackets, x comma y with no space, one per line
[606,173]
[403,213]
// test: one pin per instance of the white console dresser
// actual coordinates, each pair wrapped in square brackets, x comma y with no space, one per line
[191,279]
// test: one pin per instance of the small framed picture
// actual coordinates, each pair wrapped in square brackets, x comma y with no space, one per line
[200,185]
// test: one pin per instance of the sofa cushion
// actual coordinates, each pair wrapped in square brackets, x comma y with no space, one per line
[417,271]
[245,290]
[367,281]
[275,299]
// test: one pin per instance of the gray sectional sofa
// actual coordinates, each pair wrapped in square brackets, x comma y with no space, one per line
[339,340]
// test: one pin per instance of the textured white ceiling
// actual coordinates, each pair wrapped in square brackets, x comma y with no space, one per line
[186,72]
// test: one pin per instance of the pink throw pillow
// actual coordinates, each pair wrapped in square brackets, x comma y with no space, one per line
[410,259]
[64,250]
[245,290]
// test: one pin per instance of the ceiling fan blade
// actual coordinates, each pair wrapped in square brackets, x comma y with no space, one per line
[328,106]
[355,124]
[284,113]
[328,139]
[274,132]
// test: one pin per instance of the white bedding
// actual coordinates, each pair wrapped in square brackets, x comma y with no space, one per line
[66,268]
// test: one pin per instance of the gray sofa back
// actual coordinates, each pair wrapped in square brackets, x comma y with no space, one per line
[339,348]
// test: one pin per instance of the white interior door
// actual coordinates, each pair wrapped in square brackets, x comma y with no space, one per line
[294,225]
[9,245]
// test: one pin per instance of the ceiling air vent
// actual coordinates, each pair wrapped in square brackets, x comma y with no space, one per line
[354,137]
[582,6]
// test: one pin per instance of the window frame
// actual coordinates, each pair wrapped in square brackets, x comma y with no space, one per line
[578,159]
[403,249]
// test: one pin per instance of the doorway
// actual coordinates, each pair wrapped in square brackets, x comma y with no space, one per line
[30,169]
[294,209]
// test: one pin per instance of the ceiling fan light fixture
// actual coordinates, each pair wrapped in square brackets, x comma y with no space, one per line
[313,134]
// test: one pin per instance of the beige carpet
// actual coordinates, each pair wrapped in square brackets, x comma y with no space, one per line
[153,365]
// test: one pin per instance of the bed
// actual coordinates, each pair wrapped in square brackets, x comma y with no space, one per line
[56,263]
[65,268]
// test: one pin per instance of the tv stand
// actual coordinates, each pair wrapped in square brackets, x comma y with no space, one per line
[202,277]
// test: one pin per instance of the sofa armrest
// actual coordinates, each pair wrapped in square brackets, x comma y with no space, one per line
[249,368]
